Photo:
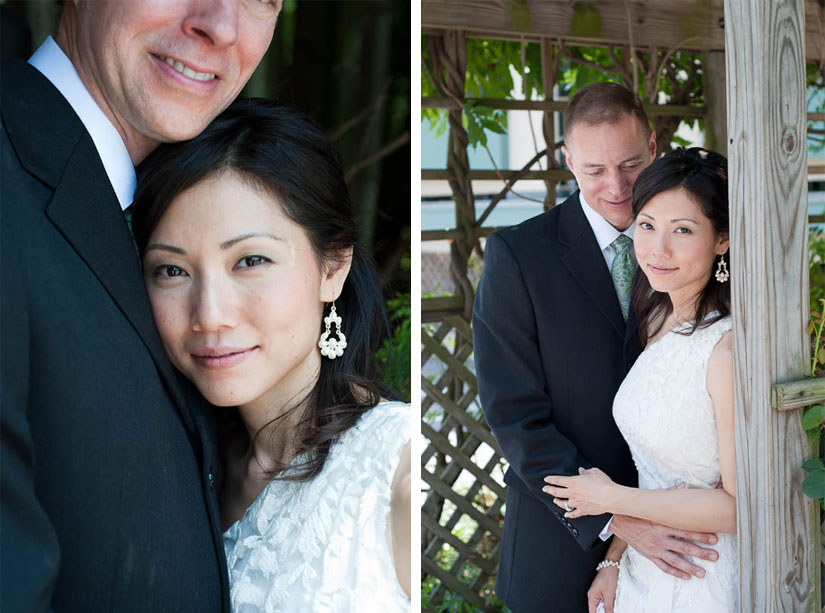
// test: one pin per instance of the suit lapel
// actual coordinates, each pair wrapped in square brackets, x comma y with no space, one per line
[85,210]
[585,262]
[58,150]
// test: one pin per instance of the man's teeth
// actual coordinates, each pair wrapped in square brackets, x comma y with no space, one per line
[185,70]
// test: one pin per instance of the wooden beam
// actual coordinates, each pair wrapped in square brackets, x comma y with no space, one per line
[797,394]
[653,110]
[665,24]
[435,309]
[442,235]
[441,174]
[778,526]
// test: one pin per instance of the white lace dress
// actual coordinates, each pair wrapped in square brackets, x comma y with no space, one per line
[664,411]
[325,545]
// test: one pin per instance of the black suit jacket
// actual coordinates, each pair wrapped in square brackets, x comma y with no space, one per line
[107,500]
[550,353]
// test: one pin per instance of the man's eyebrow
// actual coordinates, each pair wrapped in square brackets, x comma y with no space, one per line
[234,241]
[634,158]
[164,247]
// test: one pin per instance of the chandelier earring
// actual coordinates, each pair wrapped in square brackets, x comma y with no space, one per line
[332,347]
[722,274]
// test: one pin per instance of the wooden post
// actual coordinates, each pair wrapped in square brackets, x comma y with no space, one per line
[778,526]
[548,124]
[713,84]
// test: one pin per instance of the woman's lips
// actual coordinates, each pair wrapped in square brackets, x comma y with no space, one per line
[660,270]
[219,359]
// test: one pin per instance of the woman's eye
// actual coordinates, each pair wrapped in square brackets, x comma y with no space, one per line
[169,271]
[252,260]
[683,230]
[646,226]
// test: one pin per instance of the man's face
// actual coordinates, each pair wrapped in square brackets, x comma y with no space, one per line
[606,159]
[163,69]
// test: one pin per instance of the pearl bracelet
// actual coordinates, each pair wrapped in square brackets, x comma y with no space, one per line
[605,564]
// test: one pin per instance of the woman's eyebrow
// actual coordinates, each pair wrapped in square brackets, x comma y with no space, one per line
[234,241]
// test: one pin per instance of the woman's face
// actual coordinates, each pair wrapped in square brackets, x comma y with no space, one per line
[237,293]
[676,245]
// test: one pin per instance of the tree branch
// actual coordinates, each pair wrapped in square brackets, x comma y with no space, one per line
[357,167]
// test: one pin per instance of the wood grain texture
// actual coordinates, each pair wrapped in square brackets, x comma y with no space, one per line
[778,525]
[656,23]
[797,394]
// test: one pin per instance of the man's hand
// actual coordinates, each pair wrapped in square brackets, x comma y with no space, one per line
[666,546]
[603,588]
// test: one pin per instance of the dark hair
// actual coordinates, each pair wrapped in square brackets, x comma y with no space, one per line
[281,151]
[703,175]
[603,102]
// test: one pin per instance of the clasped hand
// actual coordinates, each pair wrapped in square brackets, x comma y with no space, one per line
[592,492]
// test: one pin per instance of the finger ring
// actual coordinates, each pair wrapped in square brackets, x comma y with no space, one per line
[567,506]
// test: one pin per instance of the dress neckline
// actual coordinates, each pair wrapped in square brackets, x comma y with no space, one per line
[680,327]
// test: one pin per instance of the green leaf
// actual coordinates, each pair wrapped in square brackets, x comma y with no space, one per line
[812,465]
[814,484]
[813,418]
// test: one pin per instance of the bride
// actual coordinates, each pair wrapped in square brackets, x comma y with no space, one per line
[675,408]
[263,298]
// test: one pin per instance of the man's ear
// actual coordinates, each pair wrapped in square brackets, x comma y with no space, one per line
[652,144]
[335,272]
[567,160]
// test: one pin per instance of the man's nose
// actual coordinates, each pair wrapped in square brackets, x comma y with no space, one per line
[617,183]
[212,306]
[215,20]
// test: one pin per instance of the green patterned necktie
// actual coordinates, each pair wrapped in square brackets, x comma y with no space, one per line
[622,271]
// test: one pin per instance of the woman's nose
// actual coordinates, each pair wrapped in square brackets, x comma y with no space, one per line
[661,246]
[212,306]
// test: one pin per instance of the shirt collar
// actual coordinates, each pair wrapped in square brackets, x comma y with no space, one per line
[605,233]
[57,68]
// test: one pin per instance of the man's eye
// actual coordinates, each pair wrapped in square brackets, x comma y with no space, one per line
[251,261]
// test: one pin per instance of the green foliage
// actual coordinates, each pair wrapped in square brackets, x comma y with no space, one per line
[490,66]
[395,355]
[813,419]
[814,483]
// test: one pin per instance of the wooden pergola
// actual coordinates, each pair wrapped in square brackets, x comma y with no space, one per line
[754,56]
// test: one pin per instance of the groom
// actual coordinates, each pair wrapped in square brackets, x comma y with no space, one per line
[553,339]
[108,465]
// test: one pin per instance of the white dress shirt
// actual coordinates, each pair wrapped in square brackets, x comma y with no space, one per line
[605,233]
[57,68]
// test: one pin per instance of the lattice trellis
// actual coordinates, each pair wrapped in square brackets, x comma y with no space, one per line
[462,469]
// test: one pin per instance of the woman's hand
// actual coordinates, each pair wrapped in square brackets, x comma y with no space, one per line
[591,493]
[603,588]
